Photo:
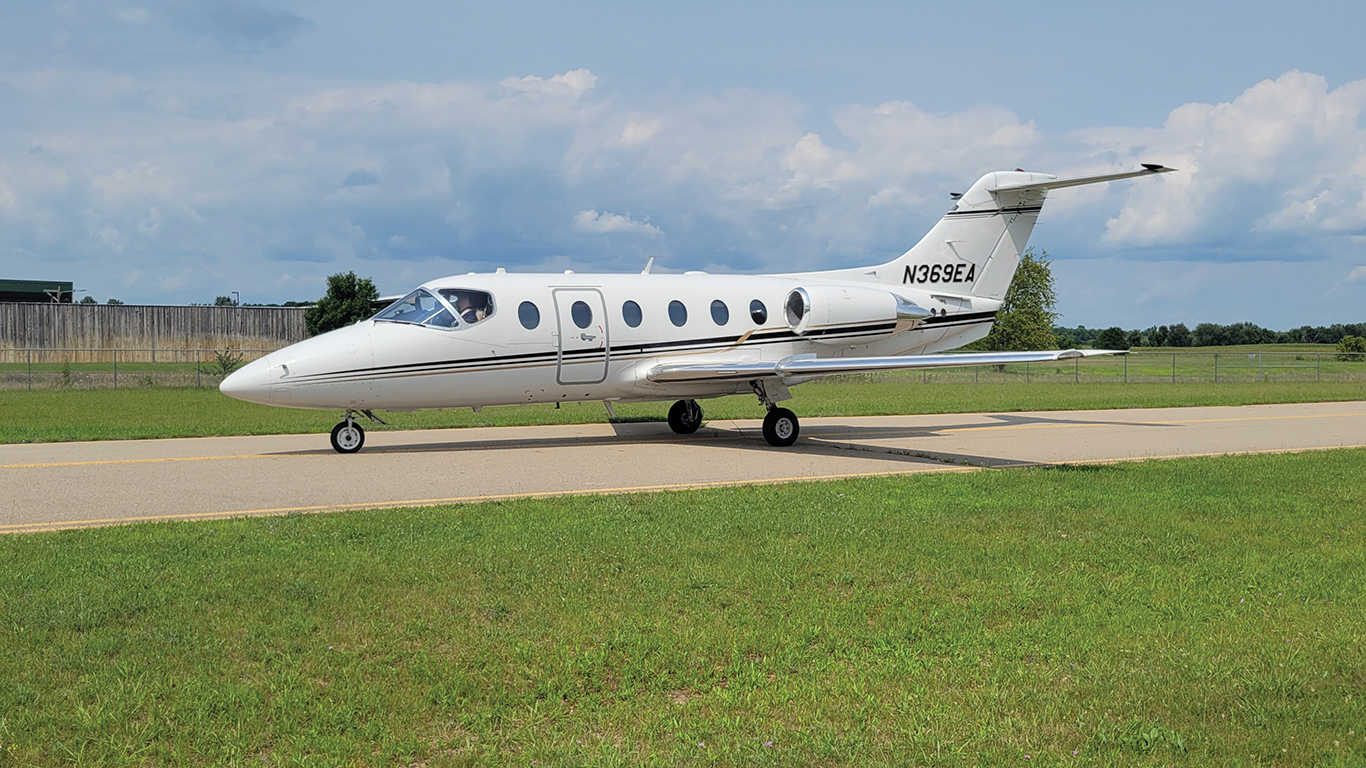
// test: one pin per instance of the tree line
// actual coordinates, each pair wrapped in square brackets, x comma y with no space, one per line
[1204,335]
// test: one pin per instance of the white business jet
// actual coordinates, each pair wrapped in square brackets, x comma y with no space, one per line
[508,339]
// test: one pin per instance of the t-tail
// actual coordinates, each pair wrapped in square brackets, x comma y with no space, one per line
[976,247]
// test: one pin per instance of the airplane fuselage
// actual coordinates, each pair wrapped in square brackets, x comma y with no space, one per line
[551,353]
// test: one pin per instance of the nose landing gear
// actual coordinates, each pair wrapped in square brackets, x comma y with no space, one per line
[347,437]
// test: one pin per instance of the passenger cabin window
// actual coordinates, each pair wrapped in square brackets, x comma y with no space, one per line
[470,306]
[630,312]
[419,308]
[758,312]
[678,314]
[720,313]
[582,314]
[529,315]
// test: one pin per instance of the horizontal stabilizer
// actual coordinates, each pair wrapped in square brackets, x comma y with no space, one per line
[806,367]
[1149,169]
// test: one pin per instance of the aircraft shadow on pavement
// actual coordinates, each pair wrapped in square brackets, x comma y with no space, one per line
[816,439]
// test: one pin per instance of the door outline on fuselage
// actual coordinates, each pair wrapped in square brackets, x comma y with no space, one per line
[563,299]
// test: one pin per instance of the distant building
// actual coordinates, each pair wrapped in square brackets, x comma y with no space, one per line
[36,290]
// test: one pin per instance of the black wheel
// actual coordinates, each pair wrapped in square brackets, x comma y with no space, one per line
[781,427]
[685,417]
[347,438]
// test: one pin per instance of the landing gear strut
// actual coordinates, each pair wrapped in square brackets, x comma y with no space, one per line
[780,425]
[348,437]
[685,417]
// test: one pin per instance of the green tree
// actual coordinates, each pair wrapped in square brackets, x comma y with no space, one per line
[1178,336]
[88,299]
[347,301]
[224,301]
[1112,338]
[114,302]
[1025,319]
[1351,349]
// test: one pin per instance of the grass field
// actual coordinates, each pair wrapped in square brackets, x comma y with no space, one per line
[1193,612]
[180,412]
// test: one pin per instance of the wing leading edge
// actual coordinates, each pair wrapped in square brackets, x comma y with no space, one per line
[804,366]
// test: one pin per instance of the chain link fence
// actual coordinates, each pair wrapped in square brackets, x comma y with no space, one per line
[49,369]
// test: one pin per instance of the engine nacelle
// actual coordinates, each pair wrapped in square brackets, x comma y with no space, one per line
[837,314]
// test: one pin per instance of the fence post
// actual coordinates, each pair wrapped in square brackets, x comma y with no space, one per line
[1126,369]
[116,369]
[1216,367]
[30,369]
[1260,376]
[1173,367]
[1076,371]
[975,370]
[196,368]
[1026,373]
[1318,362]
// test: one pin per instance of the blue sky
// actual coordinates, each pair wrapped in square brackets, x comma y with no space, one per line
[173,151]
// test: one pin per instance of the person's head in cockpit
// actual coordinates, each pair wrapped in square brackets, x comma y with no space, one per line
[465,307]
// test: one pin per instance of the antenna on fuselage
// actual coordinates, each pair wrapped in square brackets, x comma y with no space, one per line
[648,264]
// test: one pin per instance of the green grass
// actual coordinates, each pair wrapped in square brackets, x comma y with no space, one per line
[1194,612]
[186,412]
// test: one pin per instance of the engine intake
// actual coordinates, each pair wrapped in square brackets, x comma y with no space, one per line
[836,314]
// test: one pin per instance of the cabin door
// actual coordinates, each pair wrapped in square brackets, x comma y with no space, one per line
[581,321]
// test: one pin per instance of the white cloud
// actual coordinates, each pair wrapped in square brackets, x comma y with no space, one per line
[575,82]
[1291,140]
[1357,275]
[224,179]
[594,223]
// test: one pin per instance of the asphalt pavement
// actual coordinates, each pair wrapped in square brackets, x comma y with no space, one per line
[49,486]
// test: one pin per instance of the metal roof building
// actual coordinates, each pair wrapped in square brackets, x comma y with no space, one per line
[36,290]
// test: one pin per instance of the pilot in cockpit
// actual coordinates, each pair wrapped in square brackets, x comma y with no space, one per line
[469,311]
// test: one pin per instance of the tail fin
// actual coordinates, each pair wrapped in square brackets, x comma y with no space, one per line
[976,247]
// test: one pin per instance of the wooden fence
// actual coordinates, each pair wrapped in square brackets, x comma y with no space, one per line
[150,327]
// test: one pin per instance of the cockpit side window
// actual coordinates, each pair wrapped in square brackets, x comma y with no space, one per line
[470,306]
[419,308]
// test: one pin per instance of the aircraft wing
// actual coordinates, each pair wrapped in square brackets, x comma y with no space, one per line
[803,366]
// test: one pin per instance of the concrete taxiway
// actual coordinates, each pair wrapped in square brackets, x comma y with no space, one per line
[61,485]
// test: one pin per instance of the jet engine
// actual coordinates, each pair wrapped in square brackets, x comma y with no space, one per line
[837,314]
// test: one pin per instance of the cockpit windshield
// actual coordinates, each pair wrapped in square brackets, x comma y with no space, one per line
[419,308]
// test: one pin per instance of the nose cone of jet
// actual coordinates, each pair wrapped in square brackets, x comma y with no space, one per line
[251,382]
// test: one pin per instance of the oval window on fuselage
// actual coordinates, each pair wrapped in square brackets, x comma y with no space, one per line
[630,312]
[720,313]
[678,314]
[758,312]
[529,315]
[582,314]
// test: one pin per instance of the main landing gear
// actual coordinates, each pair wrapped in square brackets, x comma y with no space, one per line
[348,436]
[781,427]
[685,417]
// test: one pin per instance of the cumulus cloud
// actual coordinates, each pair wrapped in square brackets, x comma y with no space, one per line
[1286,156]
[404,180]
[1357,275]
[594,223]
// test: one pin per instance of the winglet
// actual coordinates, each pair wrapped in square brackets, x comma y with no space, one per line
[648,264]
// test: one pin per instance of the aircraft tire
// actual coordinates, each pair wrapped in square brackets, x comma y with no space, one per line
[685,417]
[347,438]
[781,427]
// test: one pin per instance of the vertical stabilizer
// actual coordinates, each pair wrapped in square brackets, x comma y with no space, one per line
[976,247]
